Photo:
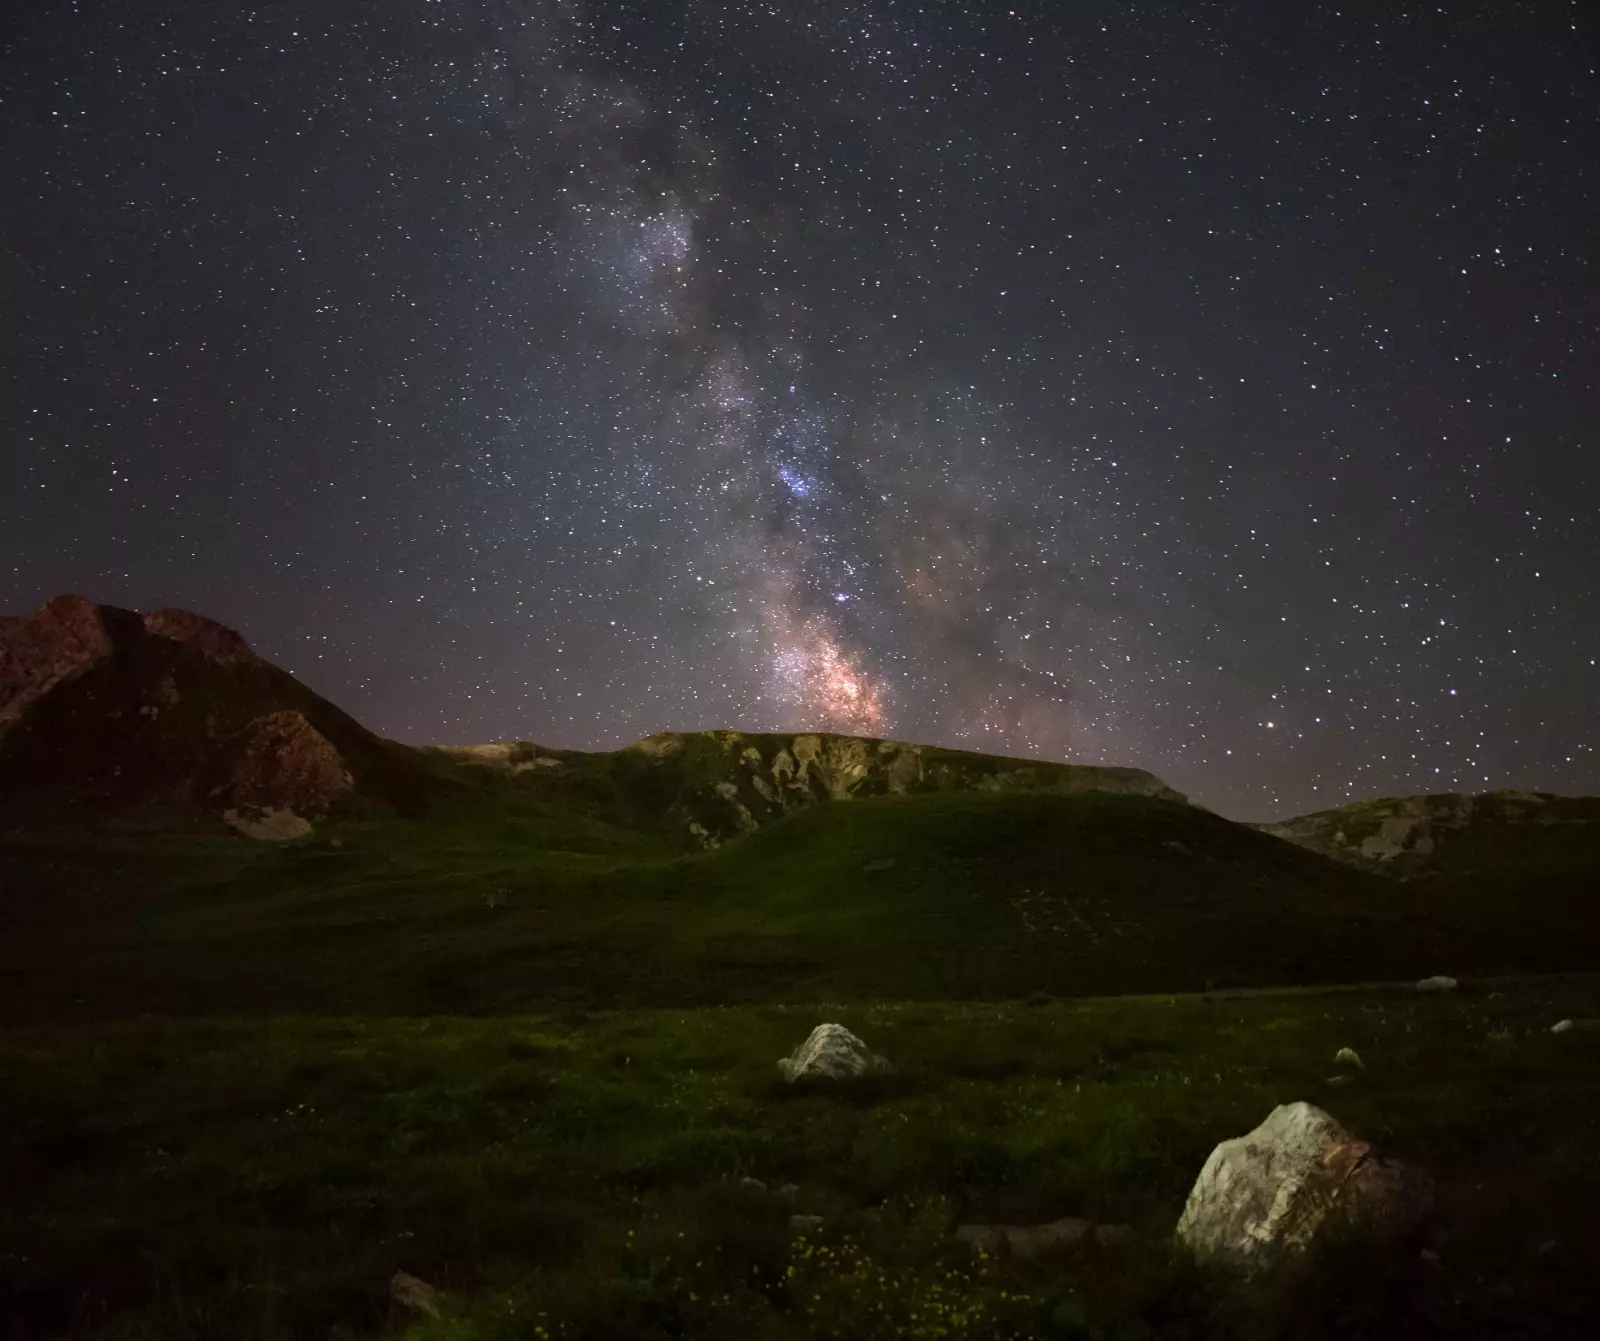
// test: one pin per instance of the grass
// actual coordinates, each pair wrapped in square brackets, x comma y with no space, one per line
[501,901]
[263,1178]
[522,1045]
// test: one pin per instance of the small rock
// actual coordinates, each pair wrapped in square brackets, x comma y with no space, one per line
[1430,1257]
[417,1295]
[1581,1026]
[268,824]
[1024,1241]
[1545,1248]
[1349,1056]
[880,864]
[789,1190]
[1113,1236]
[1341,1080]
[804,1221]
[1562,1027]
[1438,983]
[753,1184]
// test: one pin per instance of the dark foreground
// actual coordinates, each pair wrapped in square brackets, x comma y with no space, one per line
[577,1174]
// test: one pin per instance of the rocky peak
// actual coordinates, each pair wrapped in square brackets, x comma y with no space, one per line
[106,707]
[70,633]
[42,648]
[217,643]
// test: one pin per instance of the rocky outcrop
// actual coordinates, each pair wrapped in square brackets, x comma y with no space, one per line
[831,1052]
[1406,835]
[218,644]
[716,785]
[172,711]
[507,756]
[283,760]
[1264,1199]
[45,647]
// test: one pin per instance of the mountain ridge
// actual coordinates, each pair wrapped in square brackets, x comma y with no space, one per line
[109,706]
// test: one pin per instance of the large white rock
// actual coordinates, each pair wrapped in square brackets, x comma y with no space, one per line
[833,1052]
[1265,1197]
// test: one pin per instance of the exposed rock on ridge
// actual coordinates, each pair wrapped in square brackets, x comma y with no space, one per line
[219,645]
[719,784]
[1404,835]
[284,760]
[42,648]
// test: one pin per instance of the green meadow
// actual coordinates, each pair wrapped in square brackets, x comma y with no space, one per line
[525,1050]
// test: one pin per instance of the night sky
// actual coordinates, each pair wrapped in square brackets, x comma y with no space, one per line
[1210,388]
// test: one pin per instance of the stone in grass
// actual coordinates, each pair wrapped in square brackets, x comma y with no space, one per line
[1349,1057]
[1024,1241]
[1580,1026]
[1113,1236]
[1438,983]
[1265,1198]
[1029,1241]
[416,1295]
[832,1052]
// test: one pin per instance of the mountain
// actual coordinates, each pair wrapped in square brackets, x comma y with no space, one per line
[102,708]
[106,708]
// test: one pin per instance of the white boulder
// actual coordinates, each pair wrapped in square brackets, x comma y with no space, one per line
[1438,983]
[832,1052]
[1265,1197]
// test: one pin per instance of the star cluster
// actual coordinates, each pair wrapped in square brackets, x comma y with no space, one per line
[1208,388]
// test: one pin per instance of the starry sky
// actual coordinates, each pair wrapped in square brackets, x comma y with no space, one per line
[1212,388]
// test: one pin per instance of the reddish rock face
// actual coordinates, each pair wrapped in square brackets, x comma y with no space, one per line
[40,649]
[218,644]
[286,763]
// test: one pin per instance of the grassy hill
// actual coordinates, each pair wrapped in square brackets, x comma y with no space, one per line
[501,902]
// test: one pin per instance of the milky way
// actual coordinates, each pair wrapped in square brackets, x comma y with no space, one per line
[1210,389]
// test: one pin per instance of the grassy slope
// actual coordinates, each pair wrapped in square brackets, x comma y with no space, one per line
[958,895]
[262,1179]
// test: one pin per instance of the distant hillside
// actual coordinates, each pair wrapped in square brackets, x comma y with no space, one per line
[1448,833]
[694,868]
[717,785]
